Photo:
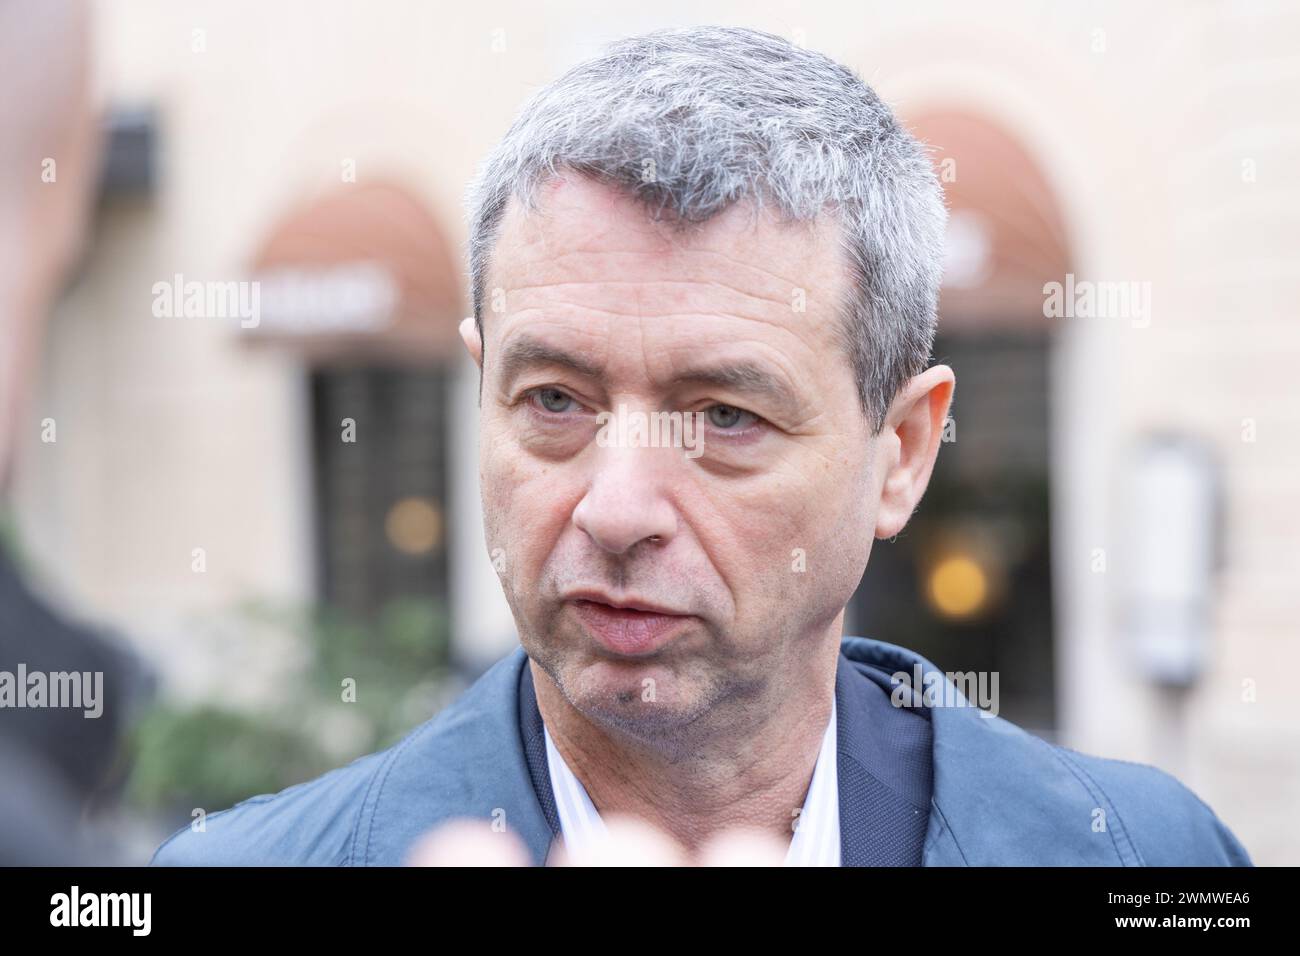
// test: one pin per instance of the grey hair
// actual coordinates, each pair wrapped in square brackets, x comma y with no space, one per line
[718,115]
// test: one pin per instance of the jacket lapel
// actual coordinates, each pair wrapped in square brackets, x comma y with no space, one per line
[532,731]
[883,757]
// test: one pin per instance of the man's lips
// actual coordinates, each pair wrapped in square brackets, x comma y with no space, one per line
[628,602]
[627,626]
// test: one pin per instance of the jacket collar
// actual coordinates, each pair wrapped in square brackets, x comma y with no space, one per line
[1001,796]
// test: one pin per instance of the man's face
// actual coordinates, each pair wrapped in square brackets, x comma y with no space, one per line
[757,539]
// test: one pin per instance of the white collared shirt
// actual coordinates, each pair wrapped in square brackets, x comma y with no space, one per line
[816,840]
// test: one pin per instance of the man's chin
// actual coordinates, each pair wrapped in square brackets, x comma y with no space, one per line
[641,697]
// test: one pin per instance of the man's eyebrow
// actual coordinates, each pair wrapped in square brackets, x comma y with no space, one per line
[525,353]
[747,377]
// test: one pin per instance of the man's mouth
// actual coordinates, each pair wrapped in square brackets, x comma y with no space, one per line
[631,628]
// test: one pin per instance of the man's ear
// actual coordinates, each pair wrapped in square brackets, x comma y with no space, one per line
[909,444]
[473,344]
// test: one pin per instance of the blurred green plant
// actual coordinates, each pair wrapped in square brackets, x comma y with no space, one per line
[362,684]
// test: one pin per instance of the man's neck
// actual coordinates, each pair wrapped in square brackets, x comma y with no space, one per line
[751,771]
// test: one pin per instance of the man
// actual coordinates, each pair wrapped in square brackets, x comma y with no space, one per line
[704,269]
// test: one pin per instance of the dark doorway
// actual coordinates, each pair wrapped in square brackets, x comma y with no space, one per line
[381,488]
[968,583]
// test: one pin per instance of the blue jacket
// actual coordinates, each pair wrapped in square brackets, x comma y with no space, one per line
[991,794]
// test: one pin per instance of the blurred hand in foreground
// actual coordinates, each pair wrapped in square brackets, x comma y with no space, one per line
[628,842]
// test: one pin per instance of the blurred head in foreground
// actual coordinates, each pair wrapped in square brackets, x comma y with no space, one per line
[48,162]
[52,759]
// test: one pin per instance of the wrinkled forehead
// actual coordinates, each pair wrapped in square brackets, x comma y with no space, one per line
[584,242]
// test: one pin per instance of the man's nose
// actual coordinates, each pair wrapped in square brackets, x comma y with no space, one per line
[625,503]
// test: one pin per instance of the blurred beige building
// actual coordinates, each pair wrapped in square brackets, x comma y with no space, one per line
[1145,143]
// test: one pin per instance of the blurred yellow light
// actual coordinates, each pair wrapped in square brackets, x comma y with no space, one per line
[414,526]
[958,587]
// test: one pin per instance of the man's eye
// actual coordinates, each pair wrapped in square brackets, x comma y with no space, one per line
[728,417]
[554,401]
